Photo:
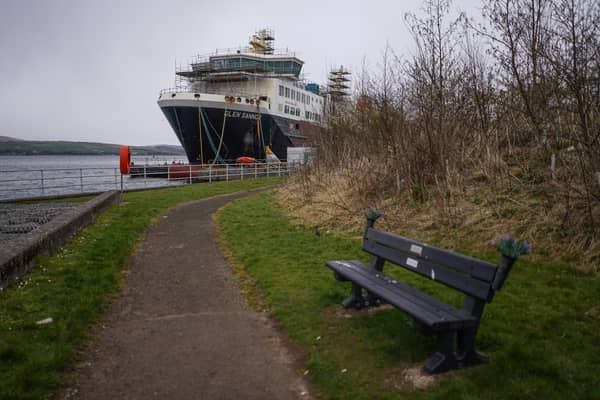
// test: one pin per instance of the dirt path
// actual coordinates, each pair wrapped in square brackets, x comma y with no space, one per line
[180,329]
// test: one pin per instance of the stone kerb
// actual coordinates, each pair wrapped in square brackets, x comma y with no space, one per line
[17,256]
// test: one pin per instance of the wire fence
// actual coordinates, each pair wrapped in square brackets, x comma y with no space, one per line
[20,184]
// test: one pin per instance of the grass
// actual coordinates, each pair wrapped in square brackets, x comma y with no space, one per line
[74,286]
[541,331]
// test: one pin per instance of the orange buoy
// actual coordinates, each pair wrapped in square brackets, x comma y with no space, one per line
[125,162]
[245,160]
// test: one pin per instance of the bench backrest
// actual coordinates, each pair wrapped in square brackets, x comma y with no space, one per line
[466,274]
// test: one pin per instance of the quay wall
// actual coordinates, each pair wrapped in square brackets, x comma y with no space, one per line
[17,256]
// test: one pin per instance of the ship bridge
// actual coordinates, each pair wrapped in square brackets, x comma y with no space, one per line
[260,58]
[244,63]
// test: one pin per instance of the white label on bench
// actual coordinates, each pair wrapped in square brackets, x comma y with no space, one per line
[412,262]
[432,274]
[416,249]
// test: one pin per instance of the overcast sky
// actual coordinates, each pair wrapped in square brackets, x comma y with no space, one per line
[91,70]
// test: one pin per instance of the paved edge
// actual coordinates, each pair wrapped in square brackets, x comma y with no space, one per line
[17,256]
[246,283]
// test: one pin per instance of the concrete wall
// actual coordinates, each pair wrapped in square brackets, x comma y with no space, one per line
[17,256]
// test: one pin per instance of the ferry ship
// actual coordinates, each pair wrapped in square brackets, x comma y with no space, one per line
[243,104]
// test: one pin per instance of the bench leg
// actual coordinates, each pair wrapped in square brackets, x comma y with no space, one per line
[466,353]
[372,300]
[443,359]
[355,299]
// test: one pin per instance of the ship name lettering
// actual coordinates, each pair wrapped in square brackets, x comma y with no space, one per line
[239,114]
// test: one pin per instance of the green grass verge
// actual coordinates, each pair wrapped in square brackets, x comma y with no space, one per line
[73,287]
[541,331]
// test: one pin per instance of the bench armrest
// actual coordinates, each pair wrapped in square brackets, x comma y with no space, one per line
[506,264]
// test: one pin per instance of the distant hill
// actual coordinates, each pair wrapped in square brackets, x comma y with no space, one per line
[12,146]
[9,139]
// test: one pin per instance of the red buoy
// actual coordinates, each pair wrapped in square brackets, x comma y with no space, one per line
[125,161]
[245,160]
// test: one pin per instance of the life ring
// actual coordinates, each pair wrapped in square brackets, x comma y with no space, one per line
[245,160]
[125,161]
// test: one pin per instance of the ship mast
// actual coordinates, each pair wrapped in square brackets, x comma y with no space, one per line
[262,42]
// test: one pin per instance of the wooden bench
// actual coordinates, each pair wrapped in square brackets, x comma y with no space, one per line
[477,279]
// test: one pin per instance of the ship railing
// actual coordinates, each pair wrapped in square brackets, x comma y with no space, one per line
[203,58]
[221,92]
[35,183]
[176,90]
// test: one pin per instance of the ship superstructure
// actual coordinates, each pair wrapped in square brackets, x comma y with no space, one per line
[244,102]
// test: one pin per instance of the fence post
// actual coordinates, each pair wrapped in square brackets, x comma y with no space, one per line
[116,184]
[241,172]
[42,171]
[279,169]
[210,173]
[255,170]
[190,172]
[81,178]
[226,172]
[268,169]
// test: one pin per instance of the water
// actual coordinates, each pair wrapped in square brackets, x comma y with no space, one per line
[32,176]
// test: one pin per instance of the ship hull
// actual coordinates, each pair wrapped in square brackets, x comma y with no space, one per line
[209,133]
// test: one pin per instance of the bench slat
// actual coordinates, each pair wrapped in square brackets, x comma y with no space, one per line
[461,282]
[476,268]
[360,275]
[438,308]
[424,308]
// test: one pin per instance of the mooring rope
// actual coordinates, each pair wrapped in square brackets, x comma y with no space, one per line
[210,142]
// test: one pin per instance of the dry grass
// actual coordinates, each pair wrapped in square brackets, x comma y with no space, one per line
[473,211]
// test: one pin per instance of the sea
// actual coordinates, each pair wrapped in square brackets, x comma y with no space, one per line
[54,175]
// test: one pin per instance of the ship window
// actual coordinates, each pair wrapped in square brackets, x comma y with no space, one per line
[303,98]
[306,114]
[293,94]
[281,91]
[287,92]
[297,112]
[287,109]
[298,96]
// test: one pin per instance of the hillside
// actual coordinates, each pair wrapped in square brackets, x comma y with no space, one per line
[11,146]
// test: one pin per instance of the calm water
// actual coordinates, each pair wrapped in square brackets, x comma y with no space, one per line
[30,176]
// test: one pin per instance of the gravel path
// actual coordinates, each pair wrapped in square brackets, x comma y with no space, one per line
[181,329]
